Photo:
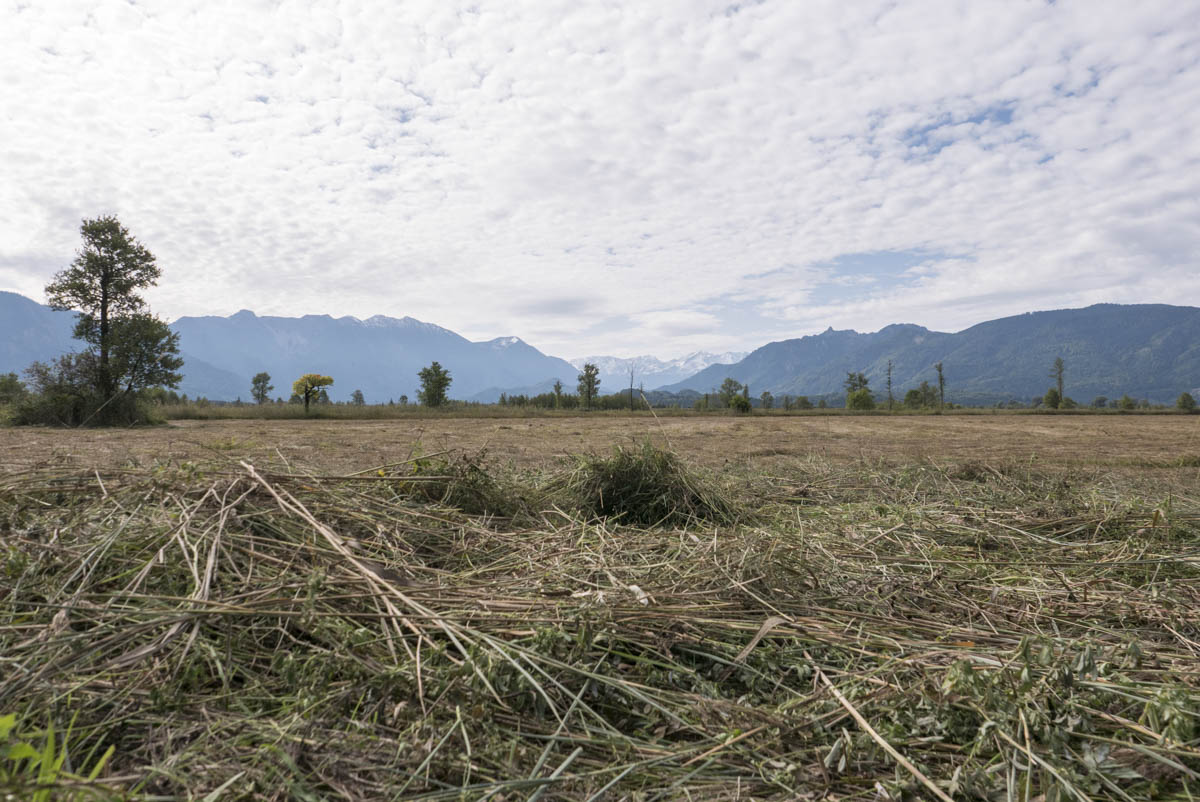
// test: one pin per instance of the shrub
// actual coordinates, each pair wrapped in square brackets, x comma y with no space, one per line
[860,399]
[1186,402]
[740,404]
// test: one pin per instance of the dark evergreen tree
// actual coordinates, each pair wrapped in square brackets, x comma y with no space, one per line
[261,387]
[435,381]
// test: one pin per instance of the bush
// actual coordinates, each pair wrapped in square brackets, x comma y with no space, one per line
[860,399]
[64,395]
[71,409]
[740,404]
[1186,402]
[1052,399]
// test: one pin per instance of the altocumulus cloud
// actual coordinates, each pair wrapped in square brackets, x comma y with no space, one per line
[668,165]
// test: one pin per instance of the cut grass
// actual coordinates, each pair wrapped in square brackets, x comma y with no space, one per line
[646,486]
[253,632]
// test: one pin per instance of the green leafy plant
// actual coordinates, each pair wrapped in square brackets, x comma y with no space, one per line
[42,774]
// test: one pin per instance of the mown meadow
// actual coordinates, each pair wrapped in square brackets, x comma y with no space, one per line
[875,609]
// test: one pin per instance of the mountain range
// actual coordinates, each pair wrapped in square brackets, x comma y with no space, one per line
[379,356]
[1148,351]
[651,372]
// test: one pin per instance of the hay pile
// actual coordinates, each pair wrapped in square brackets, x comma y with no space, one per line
[915,632]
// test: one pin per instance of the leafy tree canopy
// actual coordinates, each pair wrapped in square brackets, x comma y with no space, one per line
[435,381]
[11,388]
[860,399]
[261,387]
[589,382]
[730,389]
[307,388]
[129,348]
[102,285]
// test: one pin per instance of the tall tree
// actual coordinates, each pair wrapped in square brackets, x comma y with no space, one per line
[941,387]
[435,381]
[631,388]
[357,399]
[308,387]
[1057,374]
[558,388]
[102,284]
[855,382]
[730,389]
[891,398]
[261,387]
[589,382]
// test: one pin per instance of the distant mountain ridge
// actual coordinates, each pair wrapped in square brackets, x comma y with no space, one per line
[380,355]
[1148,351]
[650,371]
[31,332]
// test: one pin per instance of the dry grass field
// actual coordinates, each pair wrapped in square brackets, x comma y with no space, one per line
[1106,441]
[829,607]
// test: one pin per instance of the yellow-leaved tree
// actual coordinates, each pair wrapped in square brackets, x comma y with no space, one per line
[308,385]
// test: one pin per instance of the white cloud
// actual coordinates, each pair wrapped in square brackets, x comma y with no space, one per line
[539,168]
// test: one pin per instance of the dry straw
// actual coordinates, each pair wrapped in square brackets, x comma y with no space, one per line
[629,628]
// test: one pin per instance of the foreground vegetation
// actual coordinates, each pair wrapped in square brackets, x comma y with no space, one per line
[611,627]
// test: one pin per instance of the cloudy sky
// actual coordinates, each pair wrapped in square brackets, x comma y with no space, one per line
[612,177]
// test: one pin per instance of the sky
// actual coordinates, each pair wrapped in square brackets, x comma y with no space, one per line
[621,177]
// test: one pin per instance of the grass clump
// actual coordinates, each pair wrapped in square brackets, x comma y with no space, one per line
[646,486]
[467,482]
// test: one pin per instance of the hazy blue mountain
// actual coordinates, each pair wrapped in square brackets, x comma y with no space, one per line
[380,356]
[31,332]
[1146,350]
[649,371]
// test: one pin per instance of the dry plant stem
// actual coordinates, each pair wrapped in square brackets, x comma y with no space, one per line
[876,737]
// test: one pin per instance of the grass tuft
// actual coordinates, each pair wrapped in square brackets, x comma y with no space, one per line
[646,486]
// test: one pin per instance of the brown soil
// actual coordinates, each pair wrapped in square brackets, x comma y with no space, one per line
[339,446]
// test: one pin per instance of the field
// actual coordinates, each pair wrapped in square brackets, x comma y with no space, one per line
[1100,441]
[825,607]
